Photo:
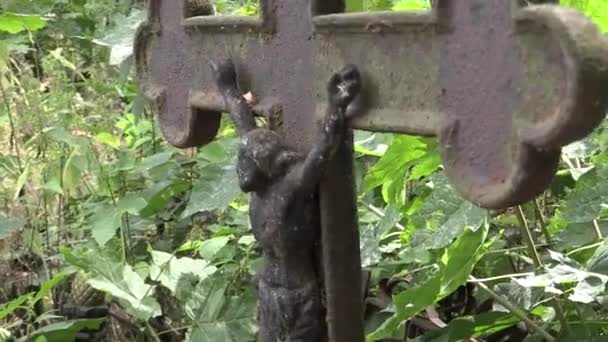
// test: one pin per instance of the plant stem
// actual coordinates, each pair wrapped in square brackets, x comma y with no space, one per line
[514,310]
[527,236]
[543,222]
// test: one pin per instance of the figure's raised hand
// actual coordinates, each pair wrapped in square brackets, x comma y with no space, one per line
[344,86]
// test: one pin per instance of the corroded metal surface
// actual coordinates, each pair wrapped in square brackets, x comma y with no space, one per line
[503,86]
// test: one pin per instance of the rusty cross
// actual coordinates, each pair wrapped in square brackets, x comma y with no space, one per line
[503,85]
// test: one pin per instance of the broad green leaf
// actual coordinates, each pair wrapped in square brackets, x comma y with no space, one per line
[64,331]
[104,222]
[354,5]
[456,265]
[61,135]
[109,140]
[160,194]
[463,328]
[409,5]
[156,160]
[392,170]
[168,269]
[217,187]
[441,218]
[214,152]
[584,203]
[599,261]
[119,280]
[131,204]
[15,23]
[595,9]
[218,317]
[402,151]
[209,248]
[372,235]
[120,37]
[8,225]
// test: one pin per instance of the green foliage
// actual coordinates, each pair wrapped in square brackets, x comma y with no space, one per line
[595,9]
[455,266]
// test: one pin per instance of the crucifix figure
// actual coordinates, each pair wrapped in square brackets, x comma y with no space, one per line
[284,208]
[503,84]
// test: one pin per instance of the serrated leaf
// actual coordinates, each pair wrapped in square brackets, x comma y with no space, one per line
[209,248]
[168,269]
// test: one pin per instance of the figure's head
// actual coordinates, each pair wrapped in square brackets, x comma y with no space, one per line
[262,159]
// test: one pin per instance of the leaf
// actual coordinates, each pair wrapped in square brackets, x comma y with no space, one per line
[104,223]
[168,269]
[15,23]
[442,218]
[215,190]
[402,151]
[160,195]
[408,5]
[8,225]
[456,265]
[584,202]
[598,263]
[108,139]
[120,37]
[218,317]
[131,204]
[119,280]
[10,307]
[214,152]
[209,248]
[463,328]
[372,235]
[156,160]
[64,331]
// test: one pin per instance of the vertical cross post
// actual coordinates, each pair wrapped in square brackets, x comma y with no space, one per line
[503,85]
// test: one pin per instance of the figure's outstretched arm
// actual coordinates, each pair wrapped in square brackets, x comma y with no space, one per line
[343,88]
[238,108]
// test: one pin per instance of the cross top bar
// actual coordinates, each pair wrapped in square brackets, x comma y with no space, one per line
[503,85]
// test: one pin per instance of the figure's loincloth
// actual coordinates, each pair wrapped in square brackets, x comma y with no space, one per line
[291,315]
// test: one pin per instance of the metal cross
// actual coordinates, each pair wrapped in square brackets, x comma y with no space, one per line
[503,85]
